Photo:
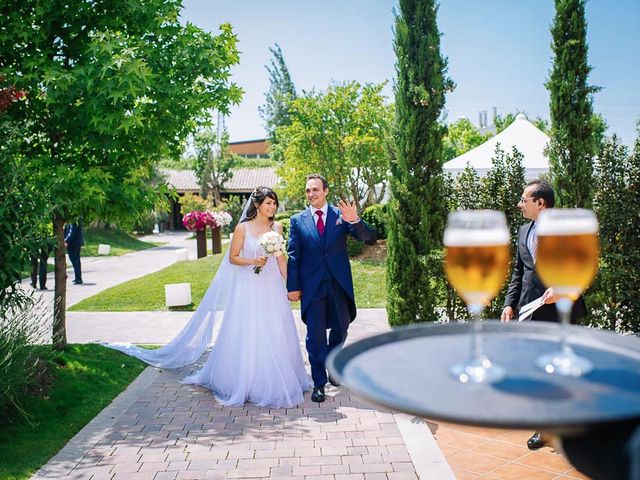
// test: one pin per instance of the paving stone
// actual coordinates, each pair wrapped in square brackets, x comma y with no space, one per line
[174,431]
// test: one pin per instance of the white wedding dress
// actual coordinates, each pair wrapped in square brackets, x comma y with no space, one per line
[256,356]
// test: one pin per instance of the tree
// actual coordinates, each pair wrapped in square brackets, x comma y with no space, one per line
[573,139]
[111,90]
[23,207]
[462,136]
[462,192]
[342,134]
[467,190]
[214,163]
[614,297]
[417,206]
[501,190]
[276,110]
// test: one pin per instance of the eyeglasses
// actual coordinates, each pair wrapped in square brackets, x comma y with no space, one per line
[525,200]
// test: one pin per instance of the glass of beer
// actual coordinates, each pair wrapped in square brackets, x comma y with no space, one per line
[477,262]
[567,261]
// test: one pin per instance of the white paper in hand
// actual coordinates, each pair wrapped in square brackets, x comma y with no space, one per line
[527,310]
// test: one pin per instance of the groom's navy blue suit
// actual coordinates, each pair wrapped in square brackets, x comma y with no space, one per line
[319,267]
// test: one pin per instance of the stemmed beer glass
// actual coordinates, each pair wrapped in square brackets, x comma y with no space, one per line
[477,262]
[567,261]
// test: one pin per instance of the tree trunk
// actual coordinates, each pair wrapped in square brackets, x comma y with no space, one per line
[217,199]
[201,242]
[59,333]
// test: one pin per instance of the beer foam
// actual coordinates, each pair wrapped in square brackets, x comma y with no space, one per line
[568,226]
[470,237]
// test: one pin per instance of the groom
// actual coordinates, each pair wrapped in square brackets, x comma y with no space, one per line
[319,273]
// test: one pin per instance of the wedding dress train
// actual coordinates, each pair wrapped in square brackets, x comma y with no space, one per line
[256,356]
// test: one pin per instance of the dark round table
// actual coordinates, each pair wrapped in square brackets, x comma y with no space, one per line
[408,369]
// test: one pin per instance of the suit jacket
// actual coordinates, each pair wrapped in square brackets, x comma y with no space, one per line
[526,286]
[73,235]
[310,256]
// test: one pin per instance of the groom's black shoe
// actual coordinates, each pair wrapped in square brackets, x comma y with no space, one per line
[333,381]
[535,442]
[318,394]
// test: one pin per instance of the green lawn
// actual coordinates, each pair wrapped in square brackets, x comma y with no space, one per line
[87,379]
[121,242]
[369,283]
[147,293]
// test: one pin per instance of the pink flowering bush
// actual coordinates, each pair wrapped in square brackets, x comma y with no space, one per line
[194,221]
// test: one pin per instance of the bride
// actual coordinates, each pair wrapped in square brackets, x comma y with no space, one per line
[256,356]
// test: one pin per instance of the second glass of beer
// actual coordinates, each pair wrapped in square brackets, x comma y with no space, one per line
[477,262]
[567,261]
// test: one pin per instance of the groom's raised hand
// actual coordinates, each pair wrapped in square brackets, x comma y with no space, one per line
[349,211]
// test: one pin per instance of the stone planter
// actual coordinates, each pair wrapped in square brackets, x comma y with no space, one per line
[201,242]
[216,240]
[177,294]
[104,249]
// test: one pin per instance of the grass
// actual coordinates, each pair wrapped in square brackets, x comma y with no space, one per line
[147,293]
[121,242]
[87,378]
[369,283]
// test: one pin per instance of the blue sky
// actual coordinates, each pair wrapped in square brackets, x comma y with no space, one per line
[499,52]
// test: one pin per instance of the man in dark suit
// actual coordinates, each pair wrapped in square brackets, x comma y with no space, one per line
[73,240]
[319,274]
[525,285]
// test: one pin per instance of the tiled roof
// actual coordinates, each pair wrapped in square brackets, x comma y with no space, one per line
[181,180]
[244,180]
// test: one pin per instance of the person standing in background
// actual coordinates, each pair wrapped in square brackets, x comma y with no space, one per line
[525,285]
[73,241]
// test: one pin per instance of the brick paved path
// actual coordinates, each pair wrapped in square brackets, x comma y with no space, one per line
[172,431]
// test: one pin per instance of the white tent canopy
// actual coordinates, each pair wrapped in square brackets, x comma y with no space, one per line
[522,134]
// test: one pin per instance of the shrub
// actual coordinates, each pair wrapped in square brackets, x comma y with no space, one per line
[192,203]
[234,205]
[286,224]
[354,247]
[283,215]
[377,218]
[23,326]
[613,300]
[145,223]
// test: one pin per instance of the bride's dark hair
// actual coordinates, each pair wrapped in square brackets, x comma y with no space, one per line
[258,196]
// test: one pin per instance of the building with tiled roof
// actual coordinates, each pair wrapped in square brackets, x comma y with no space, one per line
[243,182]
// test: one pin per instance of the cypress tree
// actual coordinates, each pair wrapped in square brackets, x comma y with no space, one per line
[573,137]
[282,91]
[417,208]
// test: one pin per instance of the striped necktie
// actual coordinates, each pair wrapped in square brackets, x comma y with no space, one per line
[532,243]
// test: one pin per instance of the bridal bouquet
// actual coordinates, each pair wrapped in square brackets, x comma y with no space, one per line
[273,245]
